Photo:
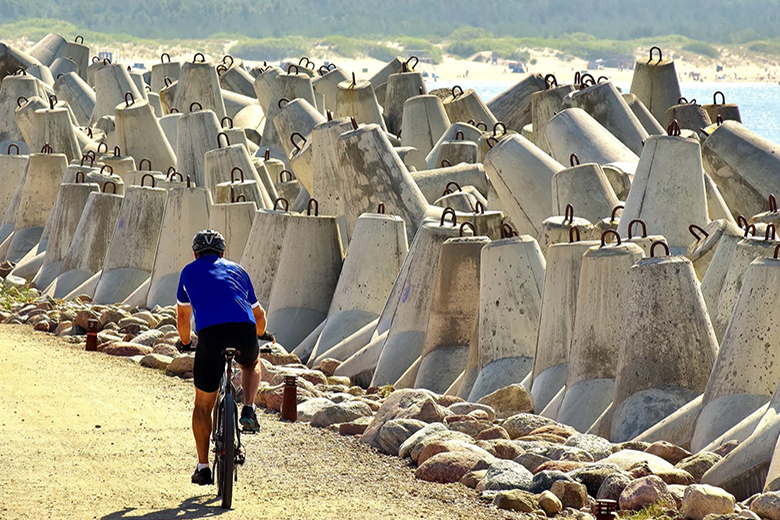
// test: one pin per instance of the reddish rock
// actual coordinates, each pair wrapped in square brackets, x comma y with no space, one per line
[328,366]
[120,348]
[644,492]
[560,465]
[571,494]
[668,451]
[447,467]
[559,430]
[725,448]
[493,433]
[42,326]
[448,400]
[501,448]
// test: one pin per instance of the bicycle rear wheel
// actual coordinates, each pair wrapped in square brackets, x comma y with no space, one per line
[228,461]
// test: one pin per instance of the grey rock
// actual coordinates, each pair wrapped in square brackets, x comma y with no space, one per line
[156,361]
[569,453]
[147,338]
[504,475]
[544,480]
[308,409]
[767,505]
[593,475]
[523,424]
[598,447]
[531,461]
[613,486]
[340,413]
[405,450]
[394,433]
[698,464]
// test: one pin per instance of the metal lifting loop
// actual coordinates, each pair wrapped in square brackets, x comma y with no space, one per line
[141,164]
[320,70]
[329,115]
[188,181]
[174,172]
[229,121]
[228,57]
[283,100]
[316,205]
[460,136]
[117,152]
[202,58]
[106,61]
[87,156]
[448,211]
[483,127]
[770,227]
[79,39]
[574,230]
[631,227]
[587,80]
[221,69]
[498,125]
[568,213]
[241,198]
[300,62]
[451,183]
[21,101]
[219,139]
[659,243]
[772,203]
[381,208]
[409,61]
[777,249]
[719,119]
[163,56]
[454,95]
[47,148]
[602,78]
[682,100]
[89,132]
[479,208]
[267,154]
[574,160]
[550,81]
[167,81]
[107,167]
[298,147]
[52,101]
[715,98]
[507,231]
[445,163]
[105,147]
[195,103]
[354,81]
[12,145]
[741,221]
[240,172]
[697,231]
[491,142]
[106,184]
[77,177]
[748,228]
[609,232]
[673,128]
[660,54]
[286,204]
[468,224]
[290,176]
[291,66]
[354,123]
[143,179]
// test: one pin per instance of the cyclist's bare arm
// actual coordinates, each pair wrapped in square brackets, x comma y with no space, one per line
[259,313]
[183,315]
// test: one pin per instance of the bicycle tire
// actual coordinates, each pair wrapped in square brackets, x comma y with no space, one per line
[227,475]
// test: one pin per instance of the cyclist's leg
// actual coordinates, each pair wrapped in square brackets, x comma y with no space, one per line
[250,381]
[244,337]
[201,422]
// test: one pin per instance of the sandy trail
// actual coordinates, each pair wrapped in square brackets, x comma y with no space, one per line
[84,435]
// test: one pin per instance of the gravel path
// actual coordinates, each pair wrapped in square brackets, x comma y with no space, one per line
[85,435]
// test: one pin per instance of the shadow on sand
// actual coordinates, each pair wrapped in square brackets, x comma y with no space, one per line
[207,506]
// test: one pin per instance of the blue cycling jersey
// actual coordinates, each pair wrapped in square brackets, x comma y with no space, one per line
[218,290]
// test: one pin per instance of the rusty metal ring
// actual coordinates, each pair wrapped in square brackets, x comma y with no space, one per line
[496,126]
[79,39]
[448,211]
[12,145]
[167,81]
[491,142]
[290,67]
[748,228]
[117,152]
[381,208]
[329,115]
[460,136]
[267,154]
[95,59]
[572,231]
[229,121]
[507,231]
[241,174]
[407,62]
[228,57]
[568,213]
[673,128]
[106,61]
[141,164]
[770,227]
[600,78]
[484,126]
[21,101]
[77,181]
[241,198]
[719,119]
[107,183]
[52,101]
[297,147]
[697,231]
[290,177]
[742,221]
[219,140]
[456,96]
[445,163]
[174,172]
[188,181]
[143,179]
[163,56]
[715,98]
[659,243]
[195,58]
[320,70]
[682,100]
[777,249]
[631,227]
[470,225]
[87,156]
[47,148]
[316,204]
[479,208]
[452,183]
[107,167]
[300,62]
[660,54]
[550,81]
[587,80]
[354,123]
[574,160]
[200,107]
[221,69]
[282,100]
[102,144]
[609,232]
[772,203]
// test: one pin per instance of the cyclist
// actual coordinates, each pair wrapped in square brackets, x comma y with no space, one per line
[227,314]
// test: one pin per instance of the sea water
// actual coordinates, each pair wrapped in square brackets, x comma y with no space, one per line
[759,103]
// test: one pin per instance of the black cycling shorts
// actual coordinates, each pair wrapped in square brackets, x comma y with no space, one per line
[209,360]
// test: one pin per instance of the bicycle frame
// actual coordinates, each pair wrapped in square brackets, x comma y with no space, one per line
[226,388]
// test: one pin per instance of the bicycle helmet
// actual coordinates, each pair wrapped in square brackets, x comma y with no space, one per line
[208,241]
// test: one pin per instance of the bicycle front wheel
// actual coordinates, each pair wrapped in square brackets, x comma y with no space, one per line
[228,462]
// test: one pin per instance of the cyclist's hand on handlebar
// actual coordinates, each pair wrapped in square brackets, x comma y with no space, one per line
[267,336]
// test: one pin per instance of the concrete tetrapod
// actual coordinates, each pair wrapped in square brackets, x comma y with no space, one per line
[400,87]
[689,115]
[716,206]
[49,48]
[560,228]
[79,54]
[285,87]
[747,249]
[453,313]
[306,277]
[232,163]
[607,106]
[264,85]
[24,116]
[36,198]
[236,79]
[130,255]
[556,321]
[597,334]
[63,221]
[235,103]
[574,131]
[656,335]
[52,126]
[327,86]
[522,175]
[74,90]
[510,298]
[62,66]
[668,191]
[702,250]
[456,131]
[544,105]
[234,221]
[727,111]
[378,241]
[112,82]
[186,213]
[655,83]
[743,165]
[466,106]
[14,90]
[513,106]
[434,182]
[166,69]
[198,83]
[357,99]
[138,133]
[648,120]
[586,188]
[712,282]
[745,375]
[263,249]
[372,173]
[424,122]
[197,133]
[170,127]
[405,315]
[296,116]
[12,168]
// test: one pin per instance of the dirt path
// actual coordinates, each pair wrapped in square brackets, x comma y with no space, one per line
[86,435]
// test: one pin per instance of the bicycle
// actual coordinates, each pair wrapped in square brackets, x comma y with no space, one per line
[226,435]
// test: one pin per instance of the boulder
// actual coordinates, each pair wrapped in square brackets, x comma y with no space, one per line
[405,450]
[471,427]
[307,410]
[148,338]
[516,500]
[612,486]
[447,467]
[598,447]
[438,437]
[82,317]
[550,504]
[328,366]
[156,361]
[336,413]
[767,505]
[571,494]
[464,408]
[726,448]
[502,448]
[544,480]
[701,500]
[121,348]
[509,400]
[356,427]
[404,404]
[644,492]
[569,453]
[668,451]
[593,475]
[531,461]
[394,433]
[445,446]
[561,465]
[504,475]
[523,424]
[472,478]
[492,433]
[166,350]
[626,459]
[697,465]
[676,476]
[181,365]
